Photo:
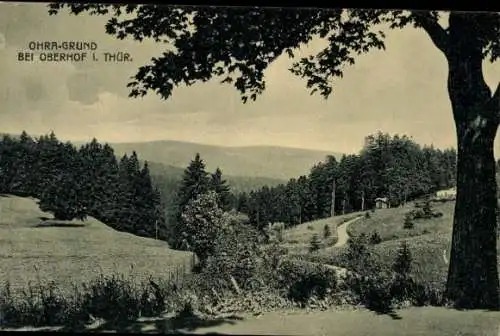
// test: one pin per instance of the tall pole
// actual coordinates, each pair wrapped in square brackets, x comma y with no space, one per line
[333,199]
[156,229]
[362,200]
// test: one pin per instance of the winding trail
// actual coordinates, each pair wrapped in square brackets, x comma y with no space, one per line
[343,237]
[342,234]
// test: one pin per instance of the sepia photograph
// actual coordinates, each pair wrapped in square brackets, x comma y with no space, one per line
[248,170]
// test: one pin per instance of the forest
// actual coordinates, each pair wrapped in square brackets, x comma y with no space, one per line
[88,181]
[75,182]
[392,167]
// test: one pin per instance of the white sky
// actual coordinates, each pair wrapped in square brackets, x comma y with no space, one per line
[400,90]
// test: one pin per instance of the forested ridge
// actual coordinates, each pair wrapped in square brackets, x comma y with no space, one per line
[75,182]
[392,167]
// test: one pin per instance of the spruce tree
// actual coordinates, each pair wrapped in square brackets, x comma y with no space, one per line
[315,243]
[63,195]
[219,185]
[146,203]
[195,181]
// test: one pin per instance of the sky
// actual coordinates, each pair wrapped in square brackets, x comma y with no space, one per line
[400,90]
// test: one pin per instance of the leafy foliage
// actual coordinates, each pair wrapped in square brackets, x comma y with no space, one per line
[235,254]
[303,280]
[375,238]
[237,45]
[315,243]
[327,232]
[201,221]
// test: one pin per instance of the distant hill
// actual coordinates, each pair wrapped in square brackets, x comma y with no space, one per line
[166,179]
[237,183]
[254,161]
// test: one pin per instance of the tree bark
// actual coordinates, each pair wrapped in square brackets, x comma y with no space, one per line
[473,281]
[332,213]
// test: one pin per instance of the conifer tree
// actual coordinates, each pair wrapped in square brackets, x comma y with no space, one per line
[64,192]
[195,181]
[219,185]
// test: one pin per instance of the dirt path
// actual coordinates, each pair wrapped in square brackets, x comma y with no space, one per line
[342,232]
[412,321]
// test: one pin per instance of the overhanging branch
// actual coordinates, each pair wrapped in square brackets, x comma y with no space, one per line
[437,34]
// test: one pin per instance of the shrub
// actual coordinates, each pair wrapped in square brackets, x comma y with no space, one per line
[327,232]
[201,221]
[375,238]
[367,278]
[357,252]
[373,290]
[427,209]
[315,243]
[235,254]
[301,280]
[278,231]
[367,215]
[112,298]
[408,223]
[402,283]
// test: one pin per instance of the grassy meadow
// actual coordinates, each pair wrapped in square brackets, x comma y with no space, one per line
[429,241]
[297,239]
[35,249]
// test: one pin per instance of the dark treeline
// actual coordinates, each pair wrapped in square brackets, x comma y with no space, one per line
[392,167]
[88,181]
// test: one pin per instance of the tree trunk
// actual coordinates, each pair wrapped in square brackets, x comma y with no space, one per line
[333,199]
[473,281]
[362,201]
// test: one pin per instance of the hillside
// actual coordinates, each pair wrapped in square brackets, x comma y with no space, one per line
[33,249]
[255,161]
[429,241]
[163,172]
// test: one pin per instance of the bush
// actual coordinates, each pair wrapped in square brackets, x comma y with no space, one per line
[201,221]
[110,298]
[373,290]
[327,232]
[402,283]
[367,215]
[302,280]
[375,238]
[315,243]
[235,254]
[408,223]
[278,231]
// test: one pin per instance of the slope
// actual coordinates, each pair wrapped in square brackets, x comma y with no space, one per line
[33,249]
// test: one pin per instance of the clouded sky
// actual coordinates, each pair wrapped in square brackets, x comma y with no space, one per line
[400,90]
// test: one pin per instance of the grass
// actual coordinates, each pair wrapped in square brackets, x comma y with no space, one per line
[298,238]
[389,223]
[427,241]
[74,252]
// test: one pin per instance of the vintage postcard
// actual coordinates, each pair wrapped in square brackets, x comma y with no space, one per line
[249,170]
